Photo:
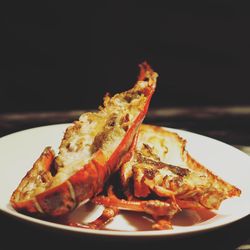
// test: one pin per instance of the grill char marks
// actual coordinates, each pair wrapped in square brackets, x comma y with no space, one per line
[150,173]
[174,169]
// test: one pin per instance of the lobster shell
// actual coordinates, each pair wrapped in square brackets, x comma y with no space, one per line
[90,179]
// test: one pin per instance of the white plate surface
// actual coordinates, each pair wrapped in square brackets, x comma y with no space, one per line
[18,151]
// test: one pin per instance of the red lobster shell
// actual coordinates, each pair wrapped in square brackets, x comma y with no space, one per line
[89,179]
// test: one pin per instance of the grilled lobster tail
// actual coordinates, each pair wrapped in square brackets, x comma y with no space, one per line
[161,179]
[92,149]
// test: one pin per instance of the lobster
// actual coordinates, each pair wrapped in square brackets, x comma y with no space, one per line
[161,179]
[92,149]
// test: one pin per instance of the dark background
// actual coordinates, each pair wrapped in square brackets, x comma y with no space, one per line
[57,56]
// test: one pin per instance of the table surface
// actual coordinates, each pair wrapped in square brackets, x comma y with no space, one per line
[228,124]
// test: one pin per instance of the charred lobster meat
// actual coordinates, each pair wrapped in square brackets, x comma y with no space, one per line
[161,179]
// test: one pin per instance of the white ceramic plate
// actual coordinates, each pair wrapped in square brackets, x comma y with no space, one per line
[19,150]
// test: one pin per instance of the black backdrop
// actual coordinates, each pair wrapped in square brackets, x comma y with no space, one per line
[57,56]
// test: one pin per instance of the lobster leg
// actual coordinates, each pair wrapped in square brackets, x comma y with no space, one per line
[149,206]
[156,208]
[162,224]
[107,215]
[153,207]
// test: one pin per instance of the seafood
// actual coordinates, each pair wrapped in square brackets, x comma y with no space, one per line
[110,158]
[162,178]
[93,148]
